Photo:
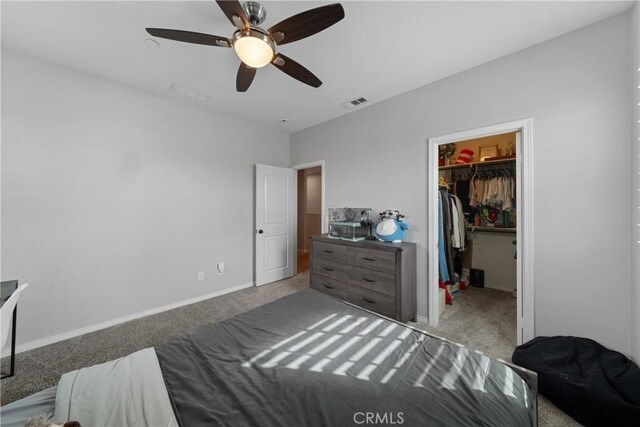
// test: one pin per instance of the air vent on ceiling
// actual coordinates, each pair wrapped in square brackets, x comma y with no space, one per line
[192,93]
[356,102]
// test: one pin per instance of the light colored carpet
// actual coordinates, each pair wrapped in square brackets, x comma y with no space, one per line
[482,319]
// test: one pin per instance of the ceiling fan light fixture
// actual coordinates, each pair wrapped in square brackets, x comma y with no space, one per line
[255,48]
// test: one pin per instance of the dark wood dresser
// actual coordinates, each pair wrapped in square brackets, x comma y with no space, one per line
[378,276]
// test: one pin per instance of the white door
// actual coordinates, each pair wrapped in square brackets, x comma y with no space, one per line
[275,223]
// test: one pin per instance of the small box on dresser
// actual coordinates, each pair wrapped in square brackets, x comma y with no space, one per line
[378,276]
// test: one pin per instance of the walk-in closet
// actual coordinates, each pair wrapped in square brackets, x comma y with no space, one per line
[477,232]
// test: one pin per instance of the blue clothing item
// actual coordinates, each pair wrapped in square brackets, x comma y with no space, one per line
[442,258]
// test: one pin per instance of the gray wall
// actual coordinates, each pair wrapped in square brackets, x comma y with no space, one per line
[576,89]
[635,189]
[114,199]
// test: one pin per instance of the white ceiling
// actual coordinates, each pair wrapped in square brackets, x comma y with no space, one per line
[381,49]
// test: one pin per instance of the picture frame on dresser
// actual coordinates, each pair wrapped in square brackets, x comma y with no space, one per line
[378,276]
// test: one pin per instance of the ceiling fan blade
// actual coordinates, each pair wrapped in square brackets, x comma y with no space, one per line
[307,23]
[231,8]
[190,37]
[245,77]
[296,70]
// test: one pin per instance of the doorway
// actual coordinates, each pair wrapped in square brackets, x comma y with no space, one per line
[275,223]
[495,233]
[309,212]
[280,211]
[310,208]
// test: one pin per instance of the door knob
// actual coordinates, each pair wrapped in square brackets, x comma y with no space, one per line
[260,231]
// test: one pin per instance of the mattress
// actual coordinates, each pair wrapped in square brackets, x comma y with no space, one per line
[306,359]
[309,359]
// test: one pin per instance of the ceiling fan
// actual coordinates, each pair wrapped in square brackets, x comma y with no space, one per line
[255,46]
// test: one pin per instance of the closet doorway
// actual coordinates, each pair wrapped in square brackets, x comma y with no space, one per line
[310,187]
[480,263]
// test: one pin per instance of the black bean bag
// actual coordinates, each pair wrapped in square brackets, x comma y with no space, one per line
[595,385]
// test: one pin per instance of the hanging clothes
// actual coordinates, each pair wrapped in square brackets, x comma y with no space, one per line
[509,195]
[451,234]
[486,193]
[462,225]
[473,198]
[447,228]
[455,229]
[442,258]
[462,190]
[495,192]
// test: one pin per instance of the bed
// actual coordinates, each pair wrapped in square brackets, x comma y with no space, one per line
[305,359]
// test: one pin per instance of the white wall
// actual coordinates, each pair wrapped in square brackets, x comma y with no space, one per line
[635,188]
[576,89]
[113,199]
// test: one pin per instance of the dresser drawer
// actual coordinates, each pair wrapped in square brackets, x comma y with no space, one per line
[384,283]
[330,269]
[330,251]
[374,301]
[375,260]
[329,286]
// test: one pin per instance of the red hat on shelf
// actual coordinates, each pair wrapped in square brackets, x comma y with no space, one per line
[465,156]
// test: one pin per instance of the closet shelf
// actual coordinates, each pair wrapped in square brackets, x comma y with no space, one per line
[469,165]
[492,229]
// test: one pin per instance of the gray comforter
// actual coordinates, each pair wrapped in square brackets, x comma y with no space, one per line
[310,360]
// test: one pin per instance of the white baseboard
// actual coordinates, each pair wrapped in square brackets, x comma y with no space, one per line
[422,319]
[96,327]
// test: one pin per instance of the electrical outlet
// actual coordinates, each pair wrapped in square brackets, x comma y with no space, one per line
[201,275]
[220,268]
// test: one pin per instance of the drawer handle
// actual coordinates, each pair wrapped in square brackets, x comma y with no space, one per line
[328,269]
[327,286]
[368,280]
[370,301]
[329,252]
[368,259]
